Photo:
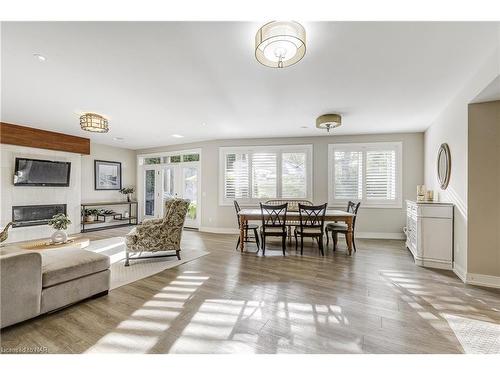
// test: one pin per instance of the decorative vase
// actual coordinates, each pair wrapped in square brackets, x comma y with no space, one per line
[89,219]
[128,197]
[59,236]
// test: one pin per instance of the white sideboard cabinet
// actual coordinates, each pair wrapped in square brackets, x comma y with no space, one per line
[429,233]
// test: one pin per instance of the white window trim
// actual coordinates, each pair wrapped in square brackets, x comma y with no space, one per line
[342,203]
[248,149]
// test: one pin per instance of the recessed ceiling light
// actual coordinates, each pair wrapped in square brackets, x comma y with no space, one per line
[305,127]
[118,138]
[40,57]
[177,136]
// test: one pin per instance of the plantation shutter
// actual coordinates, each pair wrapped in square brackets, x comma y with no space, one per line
[264,183]
[293,175]
[381,175]
[348,174]
[236,182]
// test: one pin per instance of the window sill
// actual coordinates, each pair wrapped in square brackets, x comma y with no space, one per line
[343,205]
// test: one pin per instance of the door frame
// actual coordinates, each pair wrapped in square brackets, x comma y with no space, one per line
[142,167]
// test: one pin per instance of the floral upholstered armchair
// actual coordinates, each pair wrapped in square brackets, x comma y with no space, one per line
[159,235]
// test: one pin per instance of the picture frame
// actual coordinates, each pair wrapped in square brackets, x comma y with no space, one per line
[107,175]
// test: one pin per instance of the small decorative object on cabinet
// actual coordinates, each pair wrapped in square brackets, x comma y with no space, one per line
[128,191]
[429,233]
[420,193]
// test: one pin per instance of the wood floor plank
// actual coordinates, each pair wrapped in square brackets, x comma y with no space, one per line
[377,301]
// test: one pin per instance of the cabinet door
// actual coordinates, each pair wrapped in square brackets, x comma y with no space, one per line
[437,239]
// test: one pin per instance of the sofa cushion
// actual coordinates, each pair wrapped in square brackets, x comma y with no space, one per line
[61,265]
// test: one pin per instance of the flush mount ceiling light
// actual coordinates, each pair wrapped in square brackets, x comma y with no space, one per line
[92,122]
[177,136]
[279,44]
[329,121]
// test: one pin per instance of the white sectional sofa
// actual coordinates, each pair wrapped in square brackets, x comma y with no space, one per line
[37,282]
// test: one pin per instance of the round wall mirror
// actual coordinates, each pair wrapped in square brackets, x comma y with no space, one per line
[444,165]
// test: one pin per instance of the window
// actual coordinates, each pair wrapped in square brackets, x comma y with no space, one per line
[366,172]
[255,174]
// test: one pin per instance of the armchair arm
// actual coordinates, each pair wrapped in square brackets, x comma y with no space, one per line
[20,284]
[150,222]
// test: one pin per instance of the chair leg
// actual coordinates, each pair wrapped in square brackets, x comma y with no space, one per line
[283,244]
[320,243]
[353,243]
[127,261]
[301,245]
[178,253]
[263,244]
[335,239]
[257,241]
[327,239]
[296,241]
[238,243]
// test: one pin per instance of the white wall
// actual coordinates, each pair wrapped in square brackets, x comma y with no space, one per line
[386,223]
[81,187]
[108,153]
[451,127]
[26,195]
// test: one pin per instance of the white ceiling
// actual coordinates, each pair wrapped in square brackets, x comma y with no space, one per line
[201,80]
[490,93]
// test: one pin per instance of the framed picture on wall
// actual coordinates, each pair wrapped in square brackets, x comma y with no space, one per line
[107,175]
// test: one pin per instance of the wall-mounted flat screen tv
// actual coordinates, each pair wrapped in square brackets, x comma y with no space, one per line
[34,172]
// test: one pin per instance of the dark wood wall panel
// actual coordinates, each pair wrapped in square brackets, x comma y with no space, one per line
[30,137]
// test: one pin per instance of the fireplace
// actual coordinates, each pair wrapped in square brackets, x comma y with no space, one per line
[26,216]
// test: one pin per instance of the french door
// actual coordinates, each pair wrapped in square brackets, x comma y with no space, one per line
[167,181]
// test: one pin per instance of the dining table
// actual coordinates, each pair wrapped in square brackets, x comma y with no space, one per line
[253,214]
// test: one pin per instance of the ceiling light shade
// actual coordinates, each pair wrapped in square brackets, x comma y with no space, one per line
[329,121]
[92,122]
[279,44]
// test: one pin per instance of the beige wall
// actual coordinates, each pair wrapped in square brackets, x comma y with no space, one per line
[372,221]
[451,126]
[108,153]
[483,257]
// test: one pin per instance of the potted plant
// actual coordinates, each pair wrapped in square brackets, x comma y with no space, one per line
[128,191]
[89,214]
[60,223]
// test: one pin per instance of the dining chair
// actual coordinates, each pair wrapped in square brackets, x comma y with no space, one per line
[293,206]
[247,227]
[273,224]
[311,224]
[337,228]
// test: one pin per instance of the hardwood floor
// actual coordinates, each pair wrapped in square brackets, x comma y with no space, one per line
[376,301]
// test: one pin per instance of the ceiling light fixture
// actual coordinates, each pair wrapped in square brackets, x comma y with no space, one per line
[279,44]
[177,136]
[40,57]
[92,122]
[329,121]
[119,139]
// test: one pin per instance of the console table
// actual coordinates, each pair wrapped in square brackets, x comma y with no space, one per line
[117,218]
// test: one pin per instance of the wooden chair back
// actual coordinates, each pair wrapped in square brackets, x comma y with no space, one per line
[312,217]
[293,204]
[273,216]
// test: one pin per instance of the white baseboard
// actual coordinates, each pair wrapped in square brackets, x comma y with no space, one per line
[219,230]
[381,235]
[483,280]
[365,235]
[460,272]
